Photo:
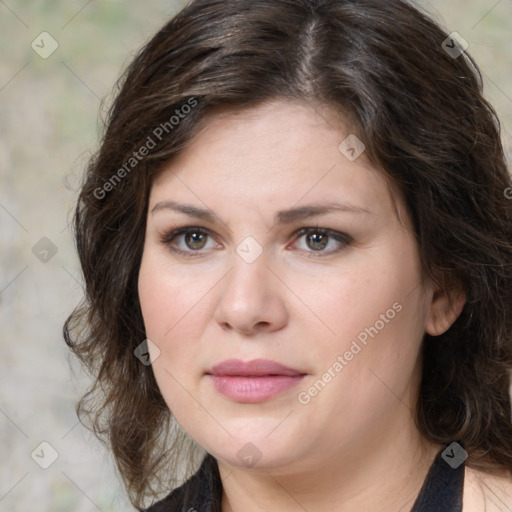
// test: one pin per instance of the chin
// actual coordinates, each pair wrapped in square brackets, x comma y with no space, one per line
[256,454]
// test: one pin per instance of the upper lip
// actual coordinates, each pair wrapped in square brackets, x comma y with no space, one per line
[255,367]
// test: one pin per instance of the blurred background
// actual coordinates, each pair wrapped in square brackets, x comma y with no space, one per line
[58,62]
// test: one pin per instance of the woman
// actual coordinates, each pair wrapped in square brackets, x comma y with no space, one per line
[297,247]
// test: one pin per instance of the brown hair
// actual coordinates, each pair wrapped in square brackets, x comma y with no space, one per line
[419,111]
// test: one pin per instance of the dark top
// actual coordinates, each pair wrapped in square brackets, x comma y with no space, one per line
[441,491]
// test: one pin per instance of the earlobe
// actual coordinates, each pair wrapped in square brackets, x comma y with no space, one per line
[446,306]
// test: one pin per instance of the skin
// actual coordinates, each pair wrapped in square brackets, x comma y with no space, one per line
[354,445]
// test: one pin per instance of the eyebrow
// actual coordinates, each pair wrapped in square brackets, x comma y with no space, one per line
[282,217]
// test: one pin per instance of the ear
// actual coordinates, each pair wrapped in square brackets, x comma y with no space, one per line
[447,302]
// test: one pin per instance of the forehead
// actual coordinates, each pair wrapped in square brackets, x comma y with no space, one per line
[280,152]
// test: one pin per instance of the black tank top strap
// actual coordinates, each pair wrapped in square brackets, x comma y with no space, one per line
[443,488]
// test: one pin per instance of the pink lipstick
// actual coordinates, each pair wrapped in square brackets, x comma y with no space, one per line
[253,381]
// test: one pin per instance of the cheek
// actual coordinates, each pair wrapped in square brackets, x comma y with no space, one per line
[373,299]
[377,312]
[378,315]
[173,307]
[167,298]
[153,300]
[166,304]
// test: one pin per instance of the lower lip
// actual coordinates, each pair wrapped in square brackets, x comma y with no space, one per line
[253,389]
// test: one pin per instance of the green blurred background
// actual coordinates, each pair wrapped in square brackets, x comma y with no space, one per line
[49,122]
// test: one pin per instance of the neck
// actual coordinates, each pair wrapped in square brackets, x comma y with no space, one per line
[384,475]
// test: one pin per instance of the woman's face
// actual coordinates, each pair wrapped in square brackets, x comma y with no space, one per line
[341,305]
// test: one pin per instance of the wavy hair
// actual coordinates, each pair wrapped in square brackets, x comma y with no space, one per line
[386,67]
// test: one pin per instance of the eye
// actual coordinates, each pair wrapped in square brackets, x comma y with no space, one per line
[193,240]
[317,239]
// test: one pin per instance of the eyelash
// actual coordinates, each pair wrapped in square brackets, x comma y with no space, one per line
[342,238]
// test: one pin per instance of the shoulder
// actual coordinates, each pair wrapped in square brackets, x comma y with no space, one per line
[487,492]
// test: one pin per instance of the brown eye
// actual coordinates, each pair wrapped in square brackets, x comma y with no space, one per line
[195,240]
[317,241]
[189,241]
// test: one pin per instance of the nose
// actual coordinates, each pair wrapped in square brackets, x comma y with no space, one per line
[251,298]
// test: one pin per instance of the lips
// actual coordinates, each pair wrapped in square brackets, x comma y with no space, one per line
[252,381]
[254,368]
